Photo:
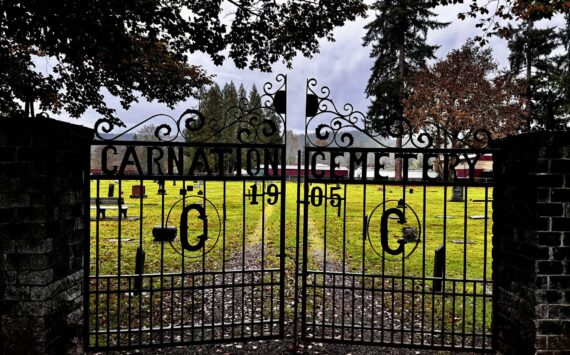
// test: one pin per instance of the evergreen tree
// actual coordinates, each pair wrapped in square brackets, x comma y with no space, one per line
[242,94]
[212,107]
[254,104]
[210,104]
[229,130]
[531,59]
[562,80]
[228,112]
[398,39]
[230,107]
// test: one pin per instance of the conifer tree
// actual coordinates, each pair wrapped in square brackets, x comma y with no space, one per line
[398,39]
[562,80]
[228,133]
[210,104]
[242,94]
[257,107]
[532,60]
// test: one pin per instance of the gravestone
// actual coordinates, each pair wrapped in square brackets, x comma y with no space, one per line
[457,195]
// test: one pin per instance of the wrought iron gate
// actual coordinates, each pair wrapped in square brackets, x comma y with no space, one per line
[188,239]
[386,260]
[187,228]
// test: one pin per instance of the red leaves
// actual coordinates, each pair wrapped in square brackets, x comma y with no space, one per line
[462,93]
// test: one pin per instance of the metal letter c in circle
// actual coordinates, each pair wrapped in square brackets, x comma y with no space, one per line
[184,227]
[384,230]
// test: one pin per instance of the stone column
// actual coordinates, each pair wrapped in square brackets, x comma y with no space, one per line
[531,244]
[43,167]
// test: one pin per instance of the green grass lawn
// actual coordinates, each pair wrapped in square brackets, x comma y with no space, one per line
[240,239]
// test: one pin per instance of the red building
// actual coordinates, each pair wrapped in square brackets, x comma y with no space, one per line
[483,167]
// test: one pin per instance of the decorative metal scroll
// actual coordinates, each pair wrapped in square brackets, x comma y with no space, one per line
[334,127]
[248,122]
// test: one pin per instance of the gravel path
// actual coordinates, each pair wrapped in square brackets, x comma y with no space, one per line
[247,303]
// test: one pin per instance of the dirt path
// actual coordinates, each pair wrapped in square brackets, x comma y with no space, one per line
[246,303]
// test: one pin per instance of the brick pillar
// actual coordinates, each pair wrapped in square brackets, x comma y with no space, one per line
[531,244]
[42,181]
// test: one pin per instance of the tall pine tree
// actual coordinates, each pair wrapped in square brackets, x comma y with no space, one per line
[562,79]
[532,60]
[228,134]
[211,105]
[398,39]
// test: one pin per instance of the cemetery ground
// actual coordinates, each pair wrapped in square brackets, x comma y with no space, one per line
[465,228]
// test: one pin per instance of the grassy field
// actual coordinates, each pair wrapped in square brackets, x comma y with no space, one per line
[246,237]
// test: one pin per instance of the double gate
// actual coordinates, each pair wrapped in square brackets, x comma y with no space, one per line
[193,237]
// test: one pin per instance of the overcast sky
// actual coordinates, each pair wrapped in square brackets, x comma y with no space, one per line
[343,66]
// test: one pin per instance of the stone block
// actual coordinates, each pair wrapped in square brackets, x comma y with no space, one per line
[13,200]
[549,296]
[16,292]
[560,282]
[559,166]
[35,277]
[32,308]
[560,311]
[559,342]
[75,317]
[27,262]
[35,246]
[8,184]
[540,342]
[560,195]
[550,209]
[549,327]
[31,214]
[561,224]
[560,253]
[7,154]
[553,267]
[21,231]
[550,239]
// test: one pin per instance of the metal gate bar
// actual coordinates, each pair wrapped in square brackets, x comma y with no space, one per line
[385,260]
[187,241]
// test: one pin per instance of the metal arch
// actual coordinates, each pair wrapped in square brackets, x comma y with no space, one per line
[334,127]
[246,118]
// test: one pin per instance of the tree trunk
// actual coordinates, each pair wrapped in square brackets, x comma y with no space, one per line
[529,75]
[398,161]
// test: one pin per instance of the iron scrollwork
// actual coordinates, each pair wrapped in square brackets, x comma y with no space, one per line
[332,126]
[336,127]
[247,121]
